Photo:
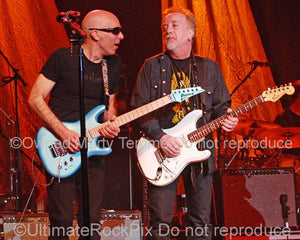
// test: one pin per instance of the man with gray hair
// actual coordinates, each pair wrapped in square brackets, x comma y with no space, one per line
[178,67]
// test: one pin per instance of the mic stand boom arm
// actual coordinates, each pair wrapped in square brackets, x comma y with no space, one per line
[245,79]
[16,71]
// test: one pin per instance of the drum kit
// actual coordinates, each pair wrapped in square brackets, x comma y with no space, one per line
[262,144]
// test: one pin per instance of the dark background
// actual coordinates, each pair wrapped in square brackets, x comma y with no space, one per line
[279,28]
[278,25]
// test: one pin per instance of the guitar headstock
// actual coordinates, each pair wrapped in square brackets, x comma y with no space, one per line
[277,92]
[179,95]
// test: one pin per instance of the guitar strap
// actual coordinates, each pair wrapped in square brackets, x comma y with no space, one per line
[105,82]
[198,76]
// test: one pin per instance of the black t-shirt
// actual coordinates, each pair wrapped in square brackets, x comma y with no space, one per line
[63,69]
[181,74]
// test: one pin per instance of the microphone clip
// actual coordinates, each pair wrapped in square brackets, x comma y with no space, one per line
[68,17]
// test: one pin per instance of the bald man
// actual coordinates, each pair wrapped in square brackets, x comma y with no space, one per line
[59,78]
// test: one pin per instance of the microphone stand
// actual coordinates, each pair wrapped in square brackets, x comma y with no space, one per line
[83,140]
[83,147]
[15,199]
[12,169]
[285,211]
[245,79]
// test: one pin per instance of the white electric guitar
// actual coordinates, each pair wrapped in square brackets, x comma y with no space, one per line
[161,171]
[59,163]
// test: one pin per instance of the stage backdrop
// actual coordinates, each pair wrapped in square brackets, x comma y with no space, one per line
[28,34]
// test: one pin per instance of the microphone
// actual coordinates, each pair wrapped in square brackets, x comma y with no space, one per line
[68,16]
[260,64]
[283,199]
[284,208]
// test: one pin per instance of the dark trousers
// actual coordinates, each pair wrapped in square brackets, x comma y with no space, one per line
[61,196]
[162,201]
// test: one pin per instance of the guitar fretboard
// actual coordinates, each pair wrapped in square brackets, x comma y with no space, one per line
[133,114]
[215,124]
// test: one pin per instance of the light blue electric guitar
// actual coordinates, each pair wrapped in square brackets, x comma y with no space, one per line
[61,164]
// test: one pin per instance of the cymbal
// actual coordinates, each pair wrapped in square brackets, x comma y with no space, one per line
[247,127]
[288,136]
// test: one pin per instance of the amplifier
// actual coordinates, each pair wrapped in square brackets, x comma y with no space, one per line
[115,225]
[15,226]
[121,225]
[252,197]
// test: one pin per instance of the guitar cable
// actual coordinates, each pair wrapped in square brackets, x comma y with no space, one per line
[36,177]
[28,199]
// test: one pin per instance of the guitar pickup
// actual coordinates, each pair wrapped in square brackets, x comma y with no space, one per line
[57,149]
[159,156]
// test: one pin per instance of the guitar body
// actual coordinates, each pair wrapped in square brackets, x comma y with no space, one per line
[67,164]
[162,171]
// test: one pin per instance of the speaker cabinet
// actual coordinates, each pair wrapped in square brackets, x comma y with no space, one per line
[251,197]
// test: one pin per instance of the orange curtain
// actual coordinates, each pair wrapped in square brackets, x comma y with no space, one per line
[28,34]
[226,32]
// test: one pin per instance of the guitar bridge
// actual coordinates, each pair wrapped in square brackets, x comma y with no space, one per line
[57,149]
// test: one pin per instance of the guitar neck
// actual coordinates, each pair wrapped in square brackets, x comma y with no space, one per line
[141,111]
[134,114]
[217,123]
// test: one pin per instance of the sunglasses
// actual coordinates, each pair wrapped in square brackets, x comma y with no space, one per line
[114,31]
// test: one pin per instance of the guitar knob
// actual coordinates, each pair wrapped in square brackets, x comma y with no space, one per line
[71,159]
[65,163]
